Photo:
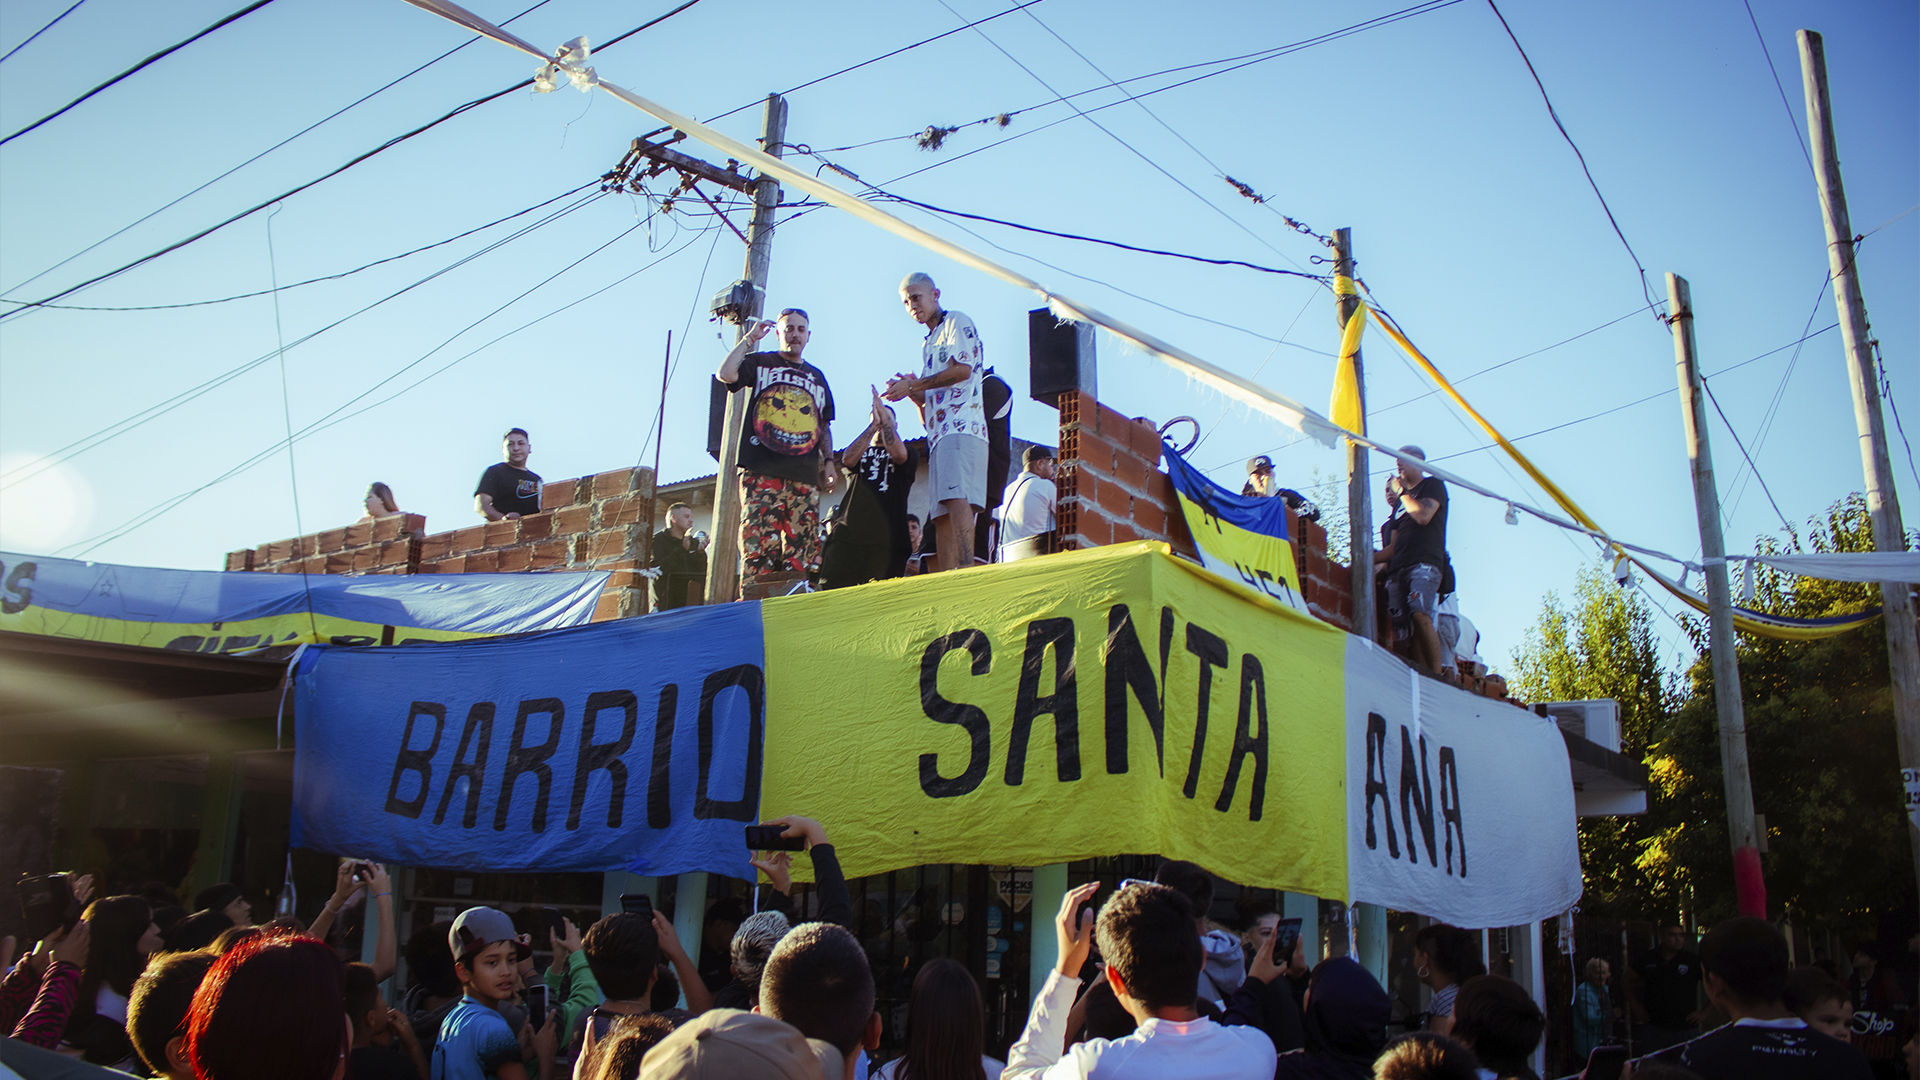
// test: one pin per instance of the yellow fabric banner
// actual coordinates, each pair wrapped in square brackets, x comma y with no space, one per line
[1345,407]
[1095,703]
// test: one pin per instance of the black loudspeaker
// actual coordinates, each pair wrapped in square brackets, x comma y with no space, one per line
[1061,358]
[716,416]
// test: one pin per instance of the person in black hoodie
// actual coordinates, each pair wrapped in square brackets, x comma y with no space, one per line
[1344,1025]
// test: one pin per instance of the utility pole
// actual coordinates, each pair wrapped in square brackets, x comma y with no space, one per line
[723,560]
[1369,920]
[1749,885]
[1883,503]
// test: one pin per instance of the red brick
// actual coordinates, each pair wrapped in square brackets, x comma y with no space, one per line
[360,535]
[623,510]
[332,540]
[1151,520]
[437,546]
[482,562]
[547,554]
[1093,529]
[1145,439]
[1131,471]
[536,526]
[514,560]
[454,565]
[240,560]
[1117,503]
[413,525]
[555,493]
[280,551]
[501,533]
[1125,533]
[607,608]
[365,559]
[608,544]
[387,528]
[1086,487]
[572,520]
[1160,490]
[606,485]
[339,562]
[472,538]
[394,553]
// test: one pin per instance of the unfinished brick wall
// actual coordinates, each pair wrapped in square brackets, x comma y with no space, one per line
[598,522]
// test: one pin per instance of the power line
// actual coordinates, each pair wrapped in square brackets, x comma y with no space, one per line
[1773,407]
[1755,466]
[323,120]
[334,418]
[1515,360]
[42,30]
[121,427]
[1097,240]
[155,58]
[388,145]
[1792,120]
[325,277]
[1644,290]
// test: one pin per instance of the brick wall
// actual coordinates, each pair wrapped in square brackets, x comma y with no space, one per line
[598,522]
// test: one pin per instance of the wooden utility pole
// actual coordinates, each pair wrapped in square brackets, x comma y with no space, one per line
[1359,490]
[1883,503]
[723,554]
[1749,885]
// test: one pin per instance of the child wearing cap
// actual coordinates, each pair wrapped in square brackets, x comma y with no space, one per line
[475,1042]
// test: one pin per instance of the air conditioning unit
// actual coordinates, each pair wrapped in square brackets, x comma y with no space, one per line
[1597,720]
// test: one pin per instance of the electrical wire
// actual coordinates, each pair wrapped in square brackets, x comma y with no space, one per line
[325,119]
[1644,289]
[286,411]
[388,145]
[1735,487]
[334,417]
[1515,360]
[699,291]
[155,58]
[325,277]
[1755,466]
[114,430]
[42,30]
[1792,120]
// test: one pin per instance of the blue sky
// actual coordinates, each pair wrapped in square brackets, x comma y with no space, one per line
[1472,223]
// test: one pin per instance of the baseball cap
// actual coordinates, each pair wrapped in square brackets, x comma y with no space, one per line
[479,927]
[728,1044]
[1255,464]
[1037,453]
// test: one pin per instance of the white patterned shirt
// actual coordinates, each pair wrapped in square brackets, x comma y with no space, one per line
[956,409]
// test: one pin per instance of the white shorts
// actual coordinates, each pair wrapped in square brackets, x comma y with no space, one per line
[957,469]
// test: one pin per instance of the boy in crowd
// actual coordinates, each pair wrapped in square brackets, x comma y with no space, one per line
[1746,971]
[1153,964]
[157,1011]
[1500,1023]
[475,1042]
[818,980]
[375,1029]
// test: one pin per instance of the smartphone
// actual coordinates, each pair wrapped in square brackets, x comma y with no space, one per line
[637,903]
[539,1000]
[1606,1062]
[556,922]
[1286,934]
[768,838]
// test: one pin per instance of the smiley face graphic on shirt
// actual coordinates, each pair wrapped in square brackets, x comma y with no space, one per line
[787,421]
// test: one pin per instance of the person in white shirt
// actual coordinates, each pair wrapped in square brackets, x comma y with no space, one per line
[1153,963]
[953,410]
[1029,507]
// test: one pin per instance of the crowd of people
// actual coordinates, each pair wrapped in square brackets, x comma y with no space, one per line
[1143,986]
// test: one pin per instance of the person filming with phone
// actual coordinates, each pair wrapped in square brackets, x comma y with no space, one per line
[680,554]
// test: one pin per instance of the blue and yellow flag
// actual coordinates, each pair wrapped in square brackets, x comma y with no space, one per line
[1242,538]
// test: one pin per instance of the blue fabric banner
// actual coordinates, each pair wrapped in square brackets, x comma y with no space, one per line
[1242,538]
[630,745]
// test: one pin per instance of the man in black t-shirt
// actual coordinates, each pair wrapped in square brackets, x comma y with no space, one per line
[871,541]
[681,557]
[508,491]
[784,439]
[1746,970]
[1419,556]
[1666,982]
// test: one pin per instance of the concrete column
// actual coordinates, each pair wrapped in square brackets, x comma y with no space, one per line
[1370,932]
[1049,887]
[1307,909]
[1530,971]
[689,915]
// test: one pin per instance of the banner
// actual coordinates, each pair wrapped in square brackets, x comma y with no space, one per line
[214,611]
[1091,703]
[1240,537]
[1459,807]
[631,745]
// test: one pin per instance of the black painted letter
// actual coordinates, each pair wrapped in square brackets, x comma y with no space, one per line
[1063,703]
[1377,781]
[1212,652]
[1416,801]
[1253,695]
[1450,808]
[751,680]
[523,759]
[971,718]
[659,789]
[1127,670]
[478,733]
[416,761]
[604,755]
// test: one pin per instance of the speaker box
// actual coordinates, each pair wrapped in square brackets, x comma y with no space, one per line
[716,415]
[1060,358]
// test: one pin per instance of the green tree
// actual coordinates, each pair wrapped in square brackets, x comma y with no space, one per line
[1604,647]
[1821,749]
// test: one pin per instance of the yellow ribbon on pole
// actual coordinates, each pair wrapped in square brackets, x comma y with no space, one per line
[1345,407]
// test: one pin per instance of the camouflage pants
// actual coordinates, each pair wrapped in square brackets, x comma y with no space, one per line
[779,525]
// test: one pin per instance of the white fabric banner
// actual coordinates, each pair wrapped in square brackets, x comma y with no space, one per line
[1868,566]
[1458,806]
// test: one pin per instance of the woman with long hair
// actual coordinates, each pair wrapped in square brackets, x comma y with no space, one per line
[122,935]
[946,1029]
[379,503]
[272,1006]
[1444,956]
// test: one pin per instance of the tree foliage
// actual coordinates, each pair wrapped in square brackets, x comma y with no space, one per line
[1604,647]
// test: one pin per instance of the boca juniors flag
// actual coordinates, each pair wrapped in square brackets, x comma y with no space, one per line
[1242,538]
